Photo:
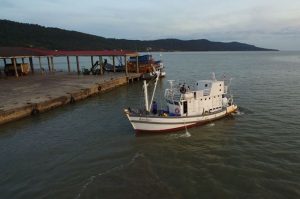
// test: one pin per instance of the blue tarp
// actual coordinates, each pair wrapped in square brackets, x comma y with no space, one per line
[142,58]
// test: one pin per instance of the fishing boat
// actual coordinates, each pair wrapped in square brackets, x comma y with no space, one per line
[157,70]
[187,105]
[148,66]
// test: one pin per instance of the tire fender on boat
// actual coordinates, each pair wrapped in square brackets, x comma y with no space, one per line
[182,90]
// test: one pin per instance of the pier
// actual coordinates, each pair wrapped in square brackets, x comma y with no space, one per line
[31,95]
[39,90]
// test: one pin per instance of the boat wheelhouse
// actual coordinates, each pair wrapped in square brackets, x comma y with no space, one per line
[200,97]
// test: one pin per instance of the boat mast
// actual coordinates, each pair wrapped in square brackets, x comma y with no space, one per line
[146,95]
[153,93]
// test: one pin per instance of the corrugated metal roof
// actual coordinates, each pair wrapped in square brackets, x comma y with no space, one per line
[9,52]
[94,53]
[20,52]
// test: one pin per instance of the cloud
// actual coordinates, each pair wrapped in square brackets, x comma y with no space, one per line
[246,20]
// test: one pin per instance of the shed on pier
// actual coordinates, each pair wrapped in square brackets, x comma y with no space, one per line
[11,55]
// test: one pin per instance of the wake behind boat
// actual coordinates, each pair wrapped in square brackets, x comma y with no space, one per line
[188,104]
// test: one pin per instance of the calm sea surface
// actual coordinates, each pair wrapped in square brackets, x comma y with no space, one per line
[89,150]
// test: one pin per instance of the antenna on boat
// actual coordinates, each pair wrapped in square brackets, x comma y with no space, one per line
[146,95]
[229,91]
[171,83]
[229,86]
[148,107]
[213,76]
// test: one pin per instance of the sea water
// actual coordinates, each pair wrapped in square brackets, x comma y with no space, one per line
[89,149]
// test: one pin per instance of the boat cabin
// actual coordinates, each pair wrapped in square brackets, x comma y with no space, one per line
[199,98]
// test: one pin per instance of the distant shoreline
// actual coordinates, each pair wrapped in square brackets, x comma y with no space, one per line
[37,36]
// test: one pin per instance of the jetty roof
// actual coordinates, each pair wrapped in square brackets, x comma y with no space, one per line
[15,52]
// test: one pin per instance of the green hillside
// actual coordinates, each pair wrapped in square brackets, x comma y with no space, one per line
[31,35]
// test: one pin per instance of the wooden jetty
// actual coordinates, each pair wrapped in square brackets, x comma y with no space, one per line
[25,95]
[11,56]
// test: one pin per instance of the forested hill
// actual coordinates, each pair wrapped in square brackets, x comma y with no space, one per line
[31,35]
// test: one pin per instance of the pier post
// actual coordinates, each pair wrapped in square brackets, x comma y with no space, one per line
[77,62]
[40,63]
[31,65]
[92,60]
[137,64]
[4,60]
[101,64]
[69,67]
[13,60]
[23,60]
[114,64]
[126,69]
[52,64]
[48,60]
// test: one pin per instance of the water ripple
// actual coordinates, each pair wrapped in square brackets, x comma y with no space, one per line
[119,167]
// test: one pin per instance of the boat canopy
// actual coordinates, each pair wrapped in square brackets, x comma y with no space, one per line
[142,58]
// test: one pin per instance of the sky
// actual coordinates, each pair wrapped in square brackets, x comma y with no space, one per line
[264,23]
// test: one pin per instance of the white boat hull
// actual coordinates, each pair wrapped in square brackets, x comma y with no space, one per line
[173,123]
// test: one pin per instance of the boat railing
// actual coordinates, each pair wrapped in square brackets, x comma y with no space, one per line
[225,89]
[177,97]
[169,93]
[172,95]
[188,84]
[206,92]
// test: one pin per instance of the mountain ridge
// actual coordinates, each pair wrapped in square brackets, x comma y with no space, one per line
[17,34]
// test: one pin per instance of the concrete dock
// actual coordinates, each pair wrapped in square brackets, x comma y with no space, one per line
[33,94]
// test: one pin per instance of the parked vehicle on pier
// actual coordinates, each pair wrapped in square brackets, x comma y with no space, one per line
[22,69]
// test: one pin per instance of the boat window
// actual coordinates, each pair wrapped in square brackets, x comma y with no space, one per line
[185,107]
[205,85]
[220,89]
[205,98]
[195,95]
[223,96]
[209,98]
[220,84]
